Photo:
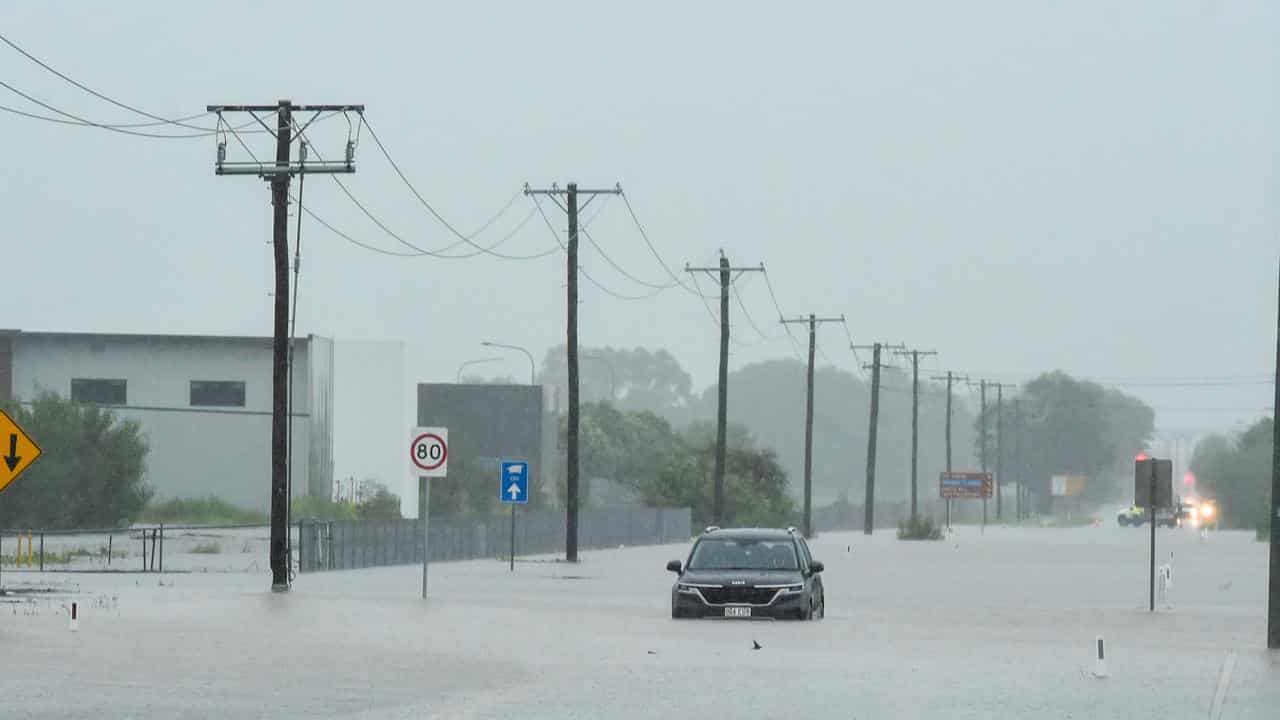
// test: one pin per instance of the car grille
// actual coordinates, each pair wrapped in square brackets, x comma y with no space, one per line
[738,595]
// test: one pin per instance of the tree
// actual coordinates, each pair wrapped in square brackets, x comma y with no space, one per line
[472,487]
[640,455]
[758,488]
[1236,473]
[768,400]
[90,474]
[1068,426]
[637,379]
[378,502]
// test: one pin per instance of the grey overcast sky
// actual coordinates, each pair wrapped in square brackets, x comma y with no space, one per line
[1021,186]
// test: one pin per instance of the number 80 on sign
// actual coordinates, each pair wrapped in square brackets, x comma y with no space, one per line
[429,452]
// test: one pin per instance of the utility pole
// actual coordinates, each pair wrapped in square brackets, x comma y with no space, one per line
[726,276]
[1017,457]
[1273,593]
[915,419]
[571,209]
[279,174]
[982,453]
[1000,445]
[951,378]
[868,509]
[813,321]
[873,426]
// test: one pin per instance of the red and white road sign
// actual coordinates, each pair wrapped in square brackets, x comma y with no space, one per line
[429,452]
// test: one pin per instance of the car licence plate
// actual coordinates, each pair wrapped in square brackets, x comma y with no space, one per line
[737,612]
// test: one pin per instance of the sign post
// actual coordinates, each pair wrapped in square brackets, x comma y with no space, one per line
[513,490]
[1152,488]
[964,486]
[428,458]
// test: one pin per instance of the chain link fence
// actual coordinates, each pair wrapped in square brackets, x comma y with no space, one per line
[346,545]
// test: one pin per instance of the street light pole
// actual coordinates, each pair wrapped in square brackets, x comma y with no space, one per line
[468,363]
[533,373]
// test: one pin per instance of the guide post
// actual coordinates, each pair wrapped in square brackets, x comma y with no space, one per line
[1152,507]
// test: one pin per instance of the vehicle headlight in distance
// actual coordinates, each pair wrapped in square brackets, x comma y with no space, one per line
[1206,510]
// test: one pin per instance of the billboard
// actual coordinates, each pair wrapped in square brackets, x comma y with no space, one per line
[964,485]
[1067,485]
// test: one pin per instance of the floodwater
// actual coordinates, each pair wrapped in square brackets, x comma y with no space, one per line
[994,624]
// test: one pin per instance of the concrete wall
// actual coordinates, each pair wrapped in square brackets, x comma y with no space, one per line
[488,423]
[194,451]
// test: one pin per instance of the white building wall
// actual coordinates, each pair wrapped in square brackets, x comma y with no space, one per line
[373,414]
[194,451]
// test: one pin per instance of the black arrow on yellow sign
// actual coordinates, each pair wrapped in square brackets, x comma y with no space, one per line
[13,458]
[23,450]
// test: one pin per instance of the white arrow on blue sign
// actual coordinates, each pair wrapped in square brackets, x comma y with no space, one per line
[513,485]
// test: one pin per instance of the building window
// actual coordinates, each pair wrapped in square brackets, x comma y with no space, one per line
[98,391]
[217,393]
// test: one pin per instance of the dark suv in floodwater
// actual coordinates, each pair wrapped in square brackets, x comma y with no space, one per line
[748,573]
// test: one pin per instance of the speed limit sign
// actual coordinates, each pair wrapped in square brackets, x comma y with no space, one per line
[429,452]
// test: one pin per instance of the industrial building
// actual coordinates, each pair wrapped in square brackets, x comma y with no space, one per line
[203,403]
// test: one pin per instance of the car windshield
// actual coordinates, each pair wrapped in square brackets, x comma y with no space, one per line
[743,554]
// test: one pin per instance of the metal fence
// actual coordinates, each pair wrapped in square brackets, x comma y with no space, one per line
[137,548]
[346,545]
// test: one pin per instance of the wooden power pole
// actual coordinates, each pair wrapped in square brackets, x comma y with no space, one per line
[571,209]
[915,420]
[726,276]
[279,173]
[813,322]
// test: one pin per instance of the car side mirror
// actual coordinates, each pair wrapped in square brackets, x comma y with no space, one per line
[674,566]
[816,567]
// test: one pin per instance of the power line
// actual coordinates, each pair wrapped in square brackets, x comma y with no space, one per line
[561,246]
[750,320]
[179,122]
[431,209]
[654,251]
[102,126]
[795,344]
[441,252]
[619,268]
[703,297]
[79,123]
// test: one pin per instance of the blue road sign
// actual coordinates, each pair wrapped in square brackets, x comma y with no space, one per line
[513,484]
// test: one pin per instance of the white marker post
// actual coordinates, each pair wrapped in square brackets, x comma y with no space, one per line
[428,458]
[1100,666]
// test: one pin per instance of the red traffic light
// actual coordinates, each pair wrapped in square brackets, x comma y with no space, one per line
[1189,479]
[1141,456]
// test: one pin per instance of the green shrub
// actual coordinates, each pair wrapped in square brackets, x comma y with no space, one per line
[312,507]
[90,474]
[210,548]
[200,511]
[921,527]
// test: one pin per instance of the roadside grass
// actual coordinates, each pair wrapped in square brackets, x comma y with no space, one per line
[200,511]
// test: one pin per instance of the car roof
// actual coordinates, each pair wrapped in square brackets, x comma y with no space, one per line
[750,533]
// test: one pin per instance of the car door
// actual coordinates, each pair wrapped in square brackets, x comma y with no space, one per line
[814,580]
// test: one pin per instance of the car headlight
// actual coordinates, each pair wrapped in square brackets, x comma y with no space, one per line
[792,589]
[1207,511]
[685,588]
